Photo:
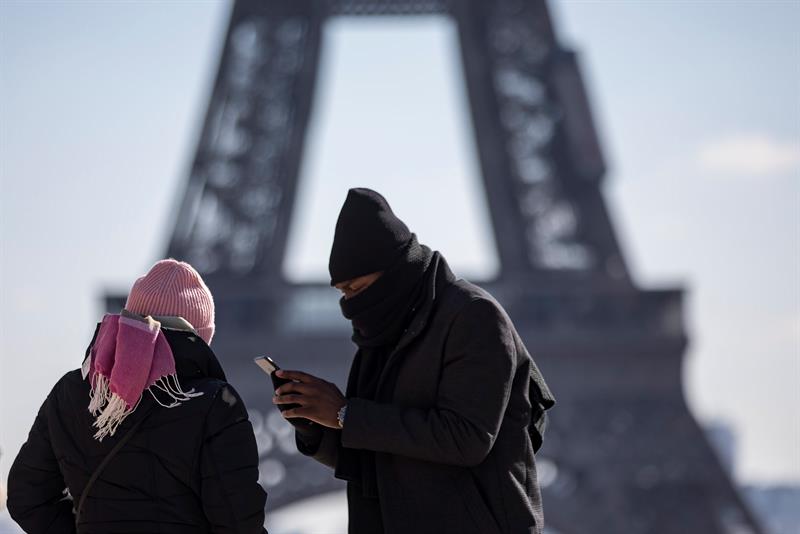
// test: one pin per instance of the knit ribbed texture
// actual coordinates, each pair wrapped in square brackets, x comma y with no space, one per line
[174,288]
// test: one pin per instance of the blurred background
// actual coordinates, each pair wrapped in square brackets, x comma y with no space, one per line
[697,110]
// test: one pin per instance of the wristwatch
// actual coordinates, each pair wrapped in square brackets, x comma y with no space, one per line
[341,415]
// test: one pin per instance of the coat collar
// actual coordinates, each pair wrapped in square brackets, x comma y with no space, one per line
[193,357]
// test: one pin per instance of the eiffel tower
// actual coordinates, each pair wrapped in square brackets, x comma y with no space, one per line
[623,454]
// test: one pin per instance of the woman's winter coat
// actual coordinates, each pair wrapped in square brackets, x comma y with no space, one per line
[188,469]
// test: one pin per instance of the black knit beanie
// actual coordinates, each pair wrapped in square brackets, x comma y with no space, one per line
[368,237]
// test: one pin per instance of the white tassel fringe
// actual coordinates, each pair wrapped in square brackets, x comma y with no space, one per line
[110,410]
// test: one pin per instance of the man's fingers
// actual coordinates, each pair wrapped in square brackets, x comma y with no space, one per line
[294,387]
[297,412]
[297,375]
[291,399]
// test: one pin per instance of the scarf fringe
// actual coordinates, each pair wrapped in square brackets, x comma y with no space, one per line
[110,410]
[169,384]
[99,395]
[111,417]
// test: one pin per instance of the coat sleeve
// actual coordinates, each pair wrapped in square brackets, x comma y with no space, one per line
[321,444]
[233,500]
[36,488]
[475,384]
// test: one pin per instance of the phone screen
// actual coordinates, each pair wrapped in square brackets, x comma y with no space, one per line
[266,364]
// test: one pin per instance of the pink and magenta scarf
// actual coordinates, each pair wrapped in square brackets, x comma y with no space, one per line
[130,355]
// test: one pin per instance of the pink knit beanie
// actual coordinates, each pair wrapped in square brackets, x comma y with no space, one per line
[174,288]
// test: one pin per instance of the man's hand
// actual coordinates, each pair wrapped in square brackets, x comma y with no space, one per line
[319,400]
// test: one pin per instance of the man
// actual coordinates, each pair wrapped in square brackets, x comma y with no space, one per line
[444,406]
[148,436]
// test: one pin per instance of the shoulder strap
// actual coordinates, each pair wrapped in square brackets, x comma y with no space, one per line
[121,443]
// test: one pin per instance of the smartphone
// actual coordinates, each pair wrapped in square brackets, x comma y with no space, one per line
[269,366]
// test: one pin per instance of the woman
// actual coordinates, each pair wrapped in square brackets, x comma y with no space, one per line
[147,436]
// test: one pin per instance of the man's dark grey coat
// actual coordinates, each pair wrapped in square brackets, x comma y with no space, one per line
[458,418]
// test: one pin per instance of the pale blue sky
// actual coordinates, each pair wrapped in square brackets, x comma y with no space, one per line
[698,104]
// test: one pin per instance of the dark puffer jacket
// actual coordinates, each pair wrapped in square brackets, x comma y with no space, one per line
[188,469]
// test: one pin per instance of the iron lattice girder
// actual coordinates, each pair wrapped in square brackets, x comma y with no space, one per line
[539,154]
